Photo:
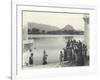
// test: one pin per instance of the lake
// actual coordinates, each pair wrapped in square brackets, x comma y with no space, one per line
[52,44]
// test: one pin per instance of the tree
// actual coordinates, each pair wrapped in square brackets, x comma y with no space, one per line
[35,30]
[29,31]
[43,31]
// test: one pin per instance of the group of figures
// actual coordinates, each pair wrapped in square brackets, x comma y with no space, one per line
[44,58]
[75,52]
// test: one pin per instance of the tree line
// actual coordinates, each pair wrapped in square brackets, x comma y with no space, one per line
[38,31]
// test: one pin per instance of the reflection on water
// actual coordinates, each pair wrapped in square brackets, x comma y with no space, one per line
[52,46]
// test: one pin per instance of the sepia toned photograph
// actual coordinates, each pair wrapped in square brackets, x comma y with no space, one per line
[55,39]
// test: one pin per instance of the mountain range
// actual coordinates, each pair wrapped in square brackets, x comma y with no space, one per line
[48,27]
[37,28]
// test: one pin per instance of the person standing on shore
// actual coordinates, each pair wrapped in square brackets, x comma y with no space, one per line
[31,59]
[61,57]
[44,58]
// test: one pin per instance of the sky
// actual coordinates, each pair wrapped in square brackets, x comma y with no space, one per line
[54,19]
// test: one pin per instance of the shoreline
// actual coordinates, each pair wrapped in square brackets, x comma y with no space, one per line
[29,36]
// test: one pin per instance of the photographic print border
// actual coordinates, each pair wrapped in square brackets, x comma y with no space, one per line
[21,37]
[51,13]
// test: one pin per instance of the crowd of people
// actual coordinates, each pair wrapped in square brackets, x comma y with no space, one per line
[75,52]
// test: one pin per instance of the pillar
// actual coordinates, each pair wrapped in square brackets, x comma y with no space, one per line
[86,32]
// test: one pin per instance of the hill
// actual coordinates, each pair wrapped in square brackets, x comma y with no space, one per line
[68,28]
[42,27]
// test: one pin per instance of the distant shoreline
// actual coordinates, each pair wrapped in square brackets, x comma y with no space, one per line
[42,35]
[57,34]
